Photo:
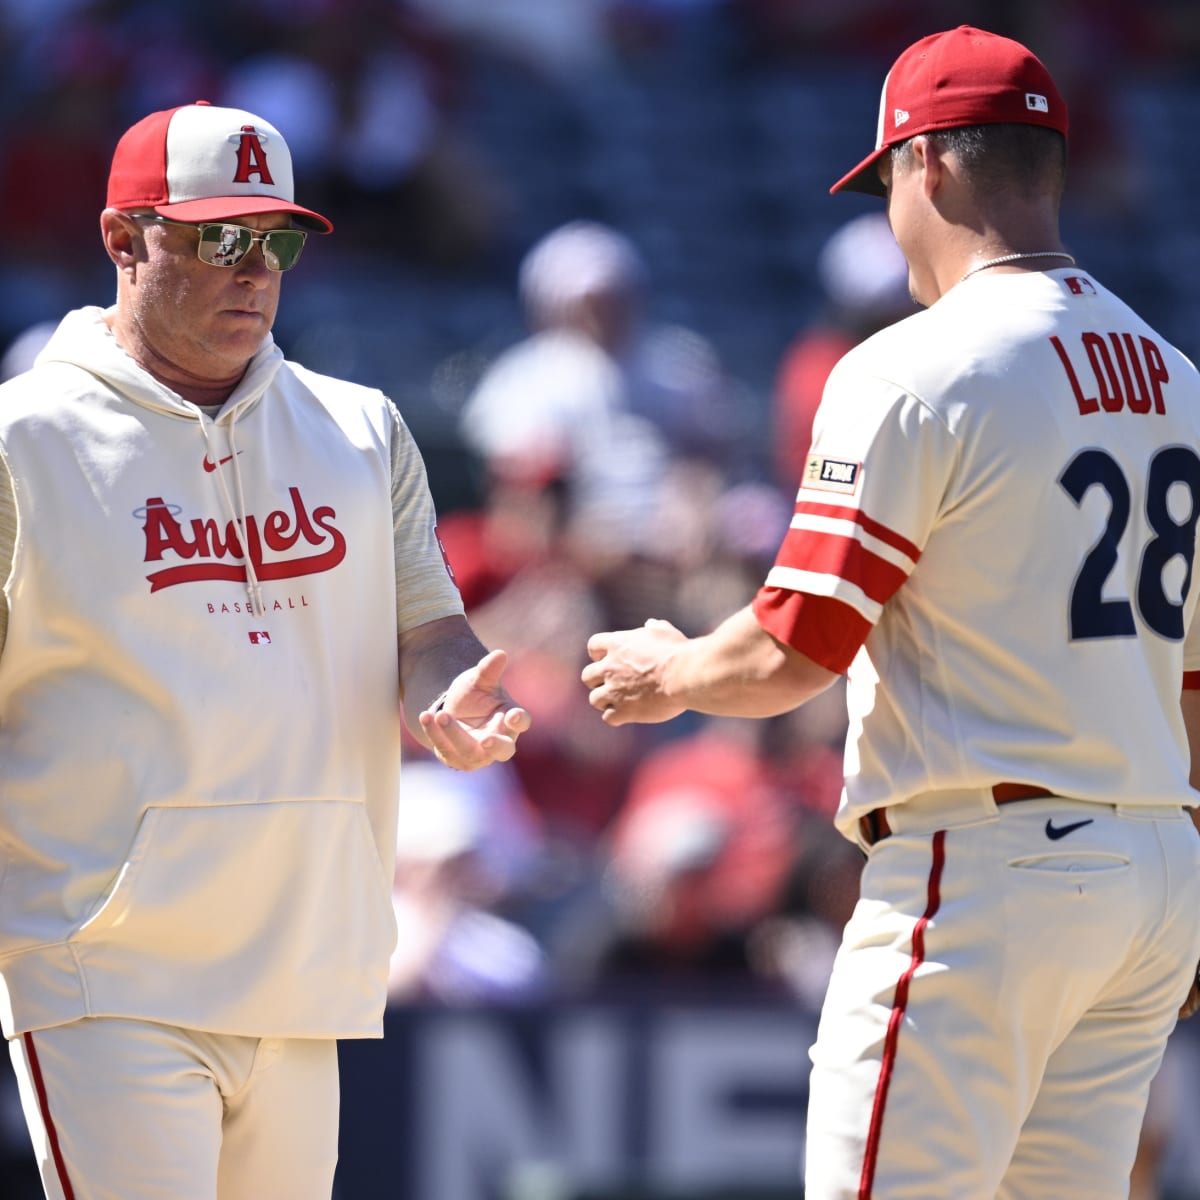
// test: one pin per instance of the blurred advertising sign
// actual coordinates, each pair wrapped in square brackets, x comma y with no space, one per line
[559,1103]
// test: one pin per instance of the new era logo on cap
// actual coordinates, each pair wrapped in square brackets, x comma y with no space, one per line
[964,76]
[200,162]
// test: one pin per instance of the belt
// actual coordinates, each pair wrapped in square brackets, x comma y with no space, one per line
[875,826]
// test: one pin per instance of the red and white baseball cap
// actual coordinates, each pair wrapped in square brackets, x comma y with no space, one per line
[964,76]
[200,162]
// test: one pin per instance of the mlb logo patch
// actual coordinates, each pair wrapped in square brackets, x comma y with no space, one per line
[1036,103]
[1080,285]
[831,475]
[259,637]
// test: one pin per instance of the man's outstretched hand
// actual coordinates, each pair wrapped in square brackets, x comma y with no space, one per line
[625,674]
[475,722]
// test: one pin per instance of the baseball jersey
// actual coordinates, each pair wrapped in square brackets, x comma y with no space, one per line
[995,535]
[198,789]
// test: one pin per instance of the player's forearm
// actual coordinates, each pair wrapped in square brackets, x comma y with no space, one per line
[431,656]
[739,670]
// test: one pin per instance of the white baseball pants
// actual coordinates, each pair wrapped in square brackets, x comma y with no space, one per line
[1001,1001]
[132,1110]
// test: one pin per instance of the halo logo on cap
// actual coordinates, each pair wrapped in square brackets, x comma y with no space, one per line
[252,158]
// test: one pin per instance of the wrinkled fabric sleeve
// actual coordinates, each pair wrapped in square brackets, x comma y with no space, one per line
[425,587]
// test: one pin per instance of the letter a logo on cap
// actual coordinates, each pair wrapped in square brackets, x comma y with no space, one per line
[252,158]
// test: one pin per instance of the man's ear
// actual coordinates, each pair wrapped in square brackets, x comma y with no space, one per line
[927,158]
[122,238]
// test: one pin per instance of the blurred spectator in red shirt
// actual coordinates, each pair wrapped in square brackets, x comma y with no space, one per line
[864,281]
[698,855]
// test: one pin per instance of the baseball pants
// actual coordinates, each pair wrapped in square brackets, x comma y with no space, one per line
[132,1110]
[1001,1001]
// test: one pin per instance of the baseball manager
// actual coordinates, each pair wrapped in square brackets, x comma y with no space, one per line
[223,585]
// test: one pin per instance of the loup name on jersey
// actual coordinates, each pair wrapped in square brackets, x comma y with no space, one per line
[1122,371]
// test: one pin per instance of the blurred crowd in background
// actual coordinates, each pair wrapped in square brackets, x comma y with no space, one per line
[587,248]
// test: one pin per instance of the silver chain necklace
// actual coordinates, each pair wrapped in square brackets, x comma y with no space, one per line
[1007,258]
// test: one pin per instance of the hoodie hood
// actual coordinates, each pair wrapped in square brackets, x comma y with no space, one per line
[84,340]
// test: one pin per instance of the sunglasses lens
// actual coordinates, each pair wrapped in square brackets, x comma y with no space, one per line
[227,245]
[281,248]
[224,245]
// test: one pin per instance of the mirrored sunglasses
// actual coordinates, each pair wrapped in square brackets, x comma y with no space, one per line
[225,245]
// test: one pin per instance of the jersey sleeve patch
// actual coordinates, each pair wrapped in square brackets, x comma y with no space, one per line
[821,628]
[823,474]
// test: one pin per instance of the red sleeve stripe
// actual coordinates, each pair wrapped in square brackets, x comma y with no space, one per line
[843,558]
[874,528]
[800,583]
[1191,680]
[822,628]
[829,526]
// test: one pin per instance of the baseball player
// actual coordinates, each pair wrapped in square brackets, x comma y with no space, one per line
[994,536]
[223,586]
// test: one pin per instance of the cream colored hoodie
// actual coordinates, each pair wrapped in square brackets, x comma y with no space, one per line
[199,743]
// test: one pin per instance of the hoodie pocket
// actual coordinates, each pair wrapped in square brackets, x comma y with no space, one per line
[244,910]
[109,908]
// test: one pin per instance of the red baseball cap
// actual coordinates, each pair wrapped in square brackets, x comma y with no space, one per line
[200,162]
[964,76]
